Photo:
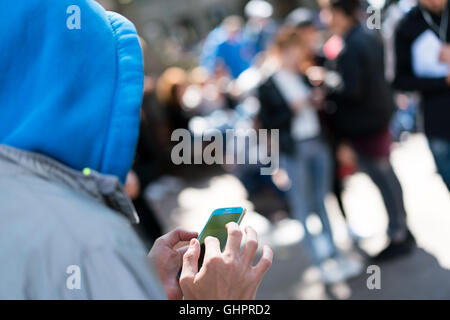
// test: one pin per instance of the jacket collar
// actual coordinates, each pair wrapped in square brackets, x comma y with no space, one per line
[106,189]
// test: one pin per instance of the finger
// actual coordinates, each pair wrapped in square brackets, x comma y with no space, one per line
[233,246]
[212,248]
[264,263]
[178,235]
[190,260]
[251,246]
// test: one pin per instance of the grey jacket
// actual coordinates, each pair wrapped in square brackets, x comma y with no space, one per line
[68,235]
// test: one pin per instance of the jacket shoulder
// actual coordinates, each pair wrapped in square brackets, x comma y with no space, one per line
[55,207]
[46,227]
[411,24]
[267,83]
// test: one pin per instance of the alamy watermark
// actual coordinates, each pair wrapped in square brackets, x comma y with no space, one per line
[237,146]
[374,280]
[373,18]
[73,281]
[73,22]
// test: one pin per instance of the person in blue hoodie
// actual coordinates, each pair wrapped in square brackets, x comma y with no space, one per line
[71,85]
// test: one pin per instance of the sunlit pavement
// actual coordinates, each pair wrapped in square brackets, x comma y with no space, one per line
[423,274]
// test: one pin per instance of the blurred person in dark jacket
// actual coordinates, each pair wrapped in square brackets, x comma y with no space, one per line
[150,159]
[170,88]
[148,166]
[423,65]
[362,106]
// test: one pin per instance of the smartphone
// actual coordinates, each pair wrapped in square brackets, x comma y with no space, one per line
[215,227]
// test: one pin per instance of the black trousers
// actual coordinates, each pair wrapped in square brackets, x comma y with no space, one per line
[384,177]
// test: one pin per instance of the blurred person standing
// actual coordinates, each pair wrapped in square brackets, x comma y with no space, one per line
[362,106]
[151,155]
[148,165]
[212,41]
[170,88]
[260,28]
[286,105]
[423,64]
[233,53]
[305,21]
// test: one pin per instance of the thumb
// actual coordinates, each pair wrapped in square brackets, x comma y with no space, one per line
[182,250]
[178,235]
[190,260]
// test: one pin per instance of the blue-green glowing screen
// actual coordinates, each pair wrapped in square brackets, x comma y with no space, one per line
[216,227]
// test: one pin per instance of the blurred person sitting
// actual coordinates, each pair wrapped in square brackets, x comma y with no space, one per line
[286,105]
[71,122]
[422,51]
[362,107]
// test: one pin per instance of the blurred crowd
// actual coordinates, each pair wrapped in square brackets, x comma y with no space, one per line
[339,92]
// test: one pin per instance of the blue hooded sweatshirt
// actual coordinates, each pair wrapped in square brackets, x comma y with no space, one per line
[71,82]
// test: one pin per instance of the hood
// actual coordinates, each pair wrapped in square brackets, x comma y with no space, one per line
[71,83]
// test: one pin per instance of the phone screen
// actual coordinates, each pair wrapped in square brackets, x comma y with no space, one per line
[215,227]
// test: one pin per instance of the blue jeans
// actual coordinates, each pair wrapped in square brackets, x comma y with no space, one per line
[441,153]
[310,172]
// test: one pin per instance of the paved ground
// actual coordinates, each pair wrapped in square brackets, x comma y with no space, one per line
[425,274]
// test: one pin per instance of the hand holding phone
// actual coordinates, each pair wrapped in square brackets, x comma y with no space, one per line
[227,274]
